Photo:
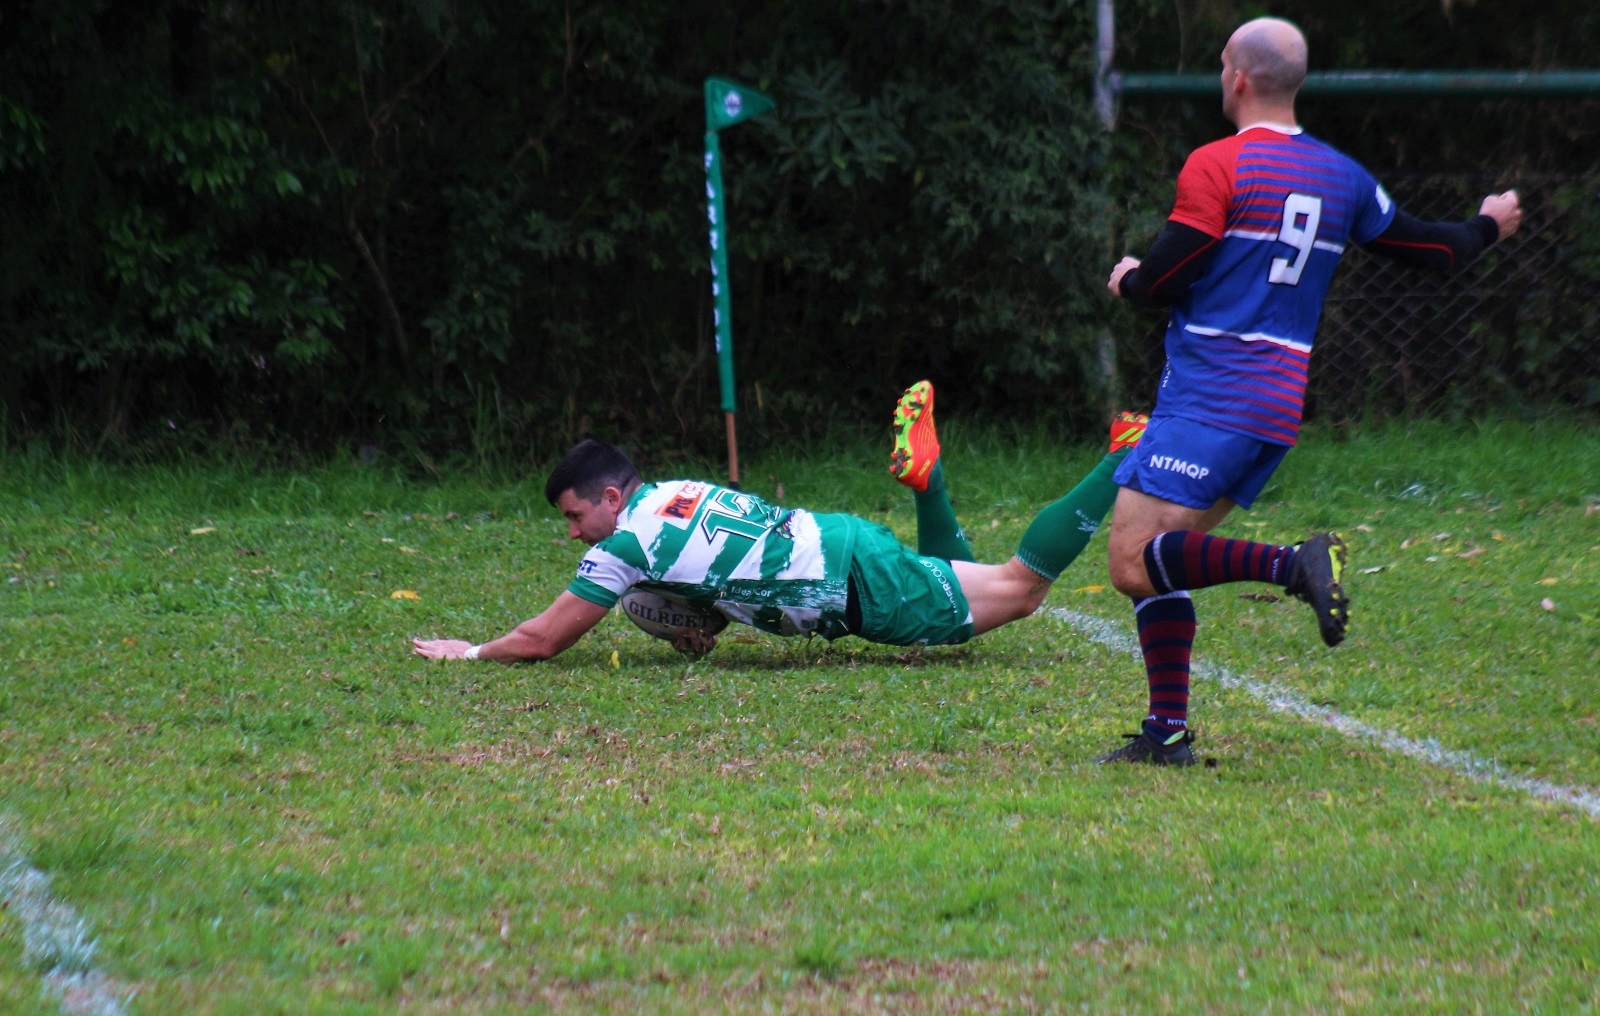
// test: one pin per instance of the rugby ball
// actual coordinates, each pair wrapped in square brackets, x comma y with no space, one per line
[667,617]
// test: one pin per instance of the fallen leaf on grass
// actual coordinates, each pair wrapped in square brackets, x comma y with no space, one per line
[1474,552]
[1375,569]
[1364,528]
[1547,603]
[1498,536]
[1261,597]
[1441,537]
[408,550]
[1547,582]
[1432,557]
[616,661]
[202,530]
[1405,544]
[404,594]
[1090,589]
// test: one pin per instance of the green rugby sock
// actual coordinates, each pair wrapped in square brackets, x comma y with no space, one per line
[938,532]
[1058,534]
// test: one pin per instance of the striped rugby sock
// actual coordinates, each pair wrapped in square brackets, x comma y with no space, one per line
[1184,559]
[1166,638]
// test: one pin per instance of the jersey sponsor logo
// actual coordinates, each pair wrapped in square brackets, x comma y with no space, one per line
[784,529]
[1177,465]
[681,506]
[587,567]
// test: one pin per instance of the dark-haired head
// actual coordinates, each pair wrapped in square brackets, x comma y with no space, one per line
[588,469]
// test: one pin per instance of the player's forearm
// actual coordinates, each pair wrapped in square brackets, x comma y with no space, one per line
[1438,246]
[1177,258]
[553,632]
[527,641]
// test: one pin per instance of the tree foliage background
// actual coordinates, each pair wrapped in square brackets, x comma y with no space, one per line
[479,225]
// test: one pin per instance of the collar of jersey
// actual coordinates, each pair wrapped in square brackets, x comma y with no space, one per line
[637,498]
[1281,128]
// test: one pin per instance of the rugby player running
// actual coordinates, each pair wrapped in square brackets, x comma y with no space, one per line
[1244,261]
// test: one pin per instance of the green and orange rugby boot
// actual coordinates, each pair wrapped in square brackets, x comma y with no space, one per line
[916,444]
[1126,430]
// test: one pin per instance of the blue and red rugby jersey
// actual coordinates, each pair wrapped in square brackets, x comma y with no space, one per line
[1283,207]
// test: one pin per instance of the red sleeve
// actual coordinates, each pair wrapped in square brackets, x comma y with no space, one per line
[1205,187]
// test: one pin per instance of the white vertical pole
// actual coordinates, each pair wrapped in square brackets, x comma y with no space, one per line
[1105,99]
[1105,104]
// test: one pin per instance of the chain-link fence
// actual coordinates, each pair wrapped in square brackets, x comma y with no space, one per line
[1521,324]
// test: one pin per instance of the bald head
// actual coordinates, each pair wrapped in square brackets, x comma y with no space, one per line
[1272,52]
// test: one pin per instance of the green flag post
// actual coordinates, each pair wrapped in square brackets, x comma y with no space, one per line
[727,103]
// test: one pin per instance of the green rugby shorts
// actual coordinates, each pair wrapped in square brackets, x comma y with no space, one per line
[906,599]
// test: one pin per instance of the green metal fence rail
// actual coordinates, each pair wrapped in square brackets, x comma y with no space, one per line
[1368,84]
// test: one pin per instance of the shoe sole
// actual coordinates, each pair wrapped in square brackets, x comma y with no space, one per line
[916,442]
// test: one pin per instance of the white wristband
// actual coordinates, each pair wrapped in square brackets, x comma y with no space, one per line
[472,652]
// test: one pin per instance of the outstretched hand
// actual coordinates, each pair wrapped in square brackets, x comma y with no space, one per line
[441,649]
[1505,210]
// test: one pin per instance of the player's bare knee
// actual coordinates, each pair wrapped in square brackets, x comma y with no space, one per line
[1128,576]
[1028,589]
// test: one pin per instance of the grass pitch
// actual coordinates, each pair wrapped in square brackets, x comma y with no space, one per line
[216,744]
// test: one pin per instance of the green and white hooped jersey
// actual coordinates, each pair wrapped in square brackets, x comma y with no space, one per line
[781,570]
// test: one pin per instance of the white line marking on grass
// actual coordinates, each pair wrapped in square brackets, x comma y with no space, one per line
[55,939]
[1463,763]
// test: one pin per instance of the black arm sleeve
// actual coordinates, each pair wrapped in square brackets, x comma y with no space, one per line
[1175,260]
[1441,246]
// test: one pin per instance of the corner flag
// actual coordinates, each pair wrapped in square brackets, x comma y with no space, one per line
[727,103]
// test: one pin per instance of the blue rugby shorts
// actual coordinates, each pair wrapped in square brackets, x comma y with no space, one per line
[1197,465]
